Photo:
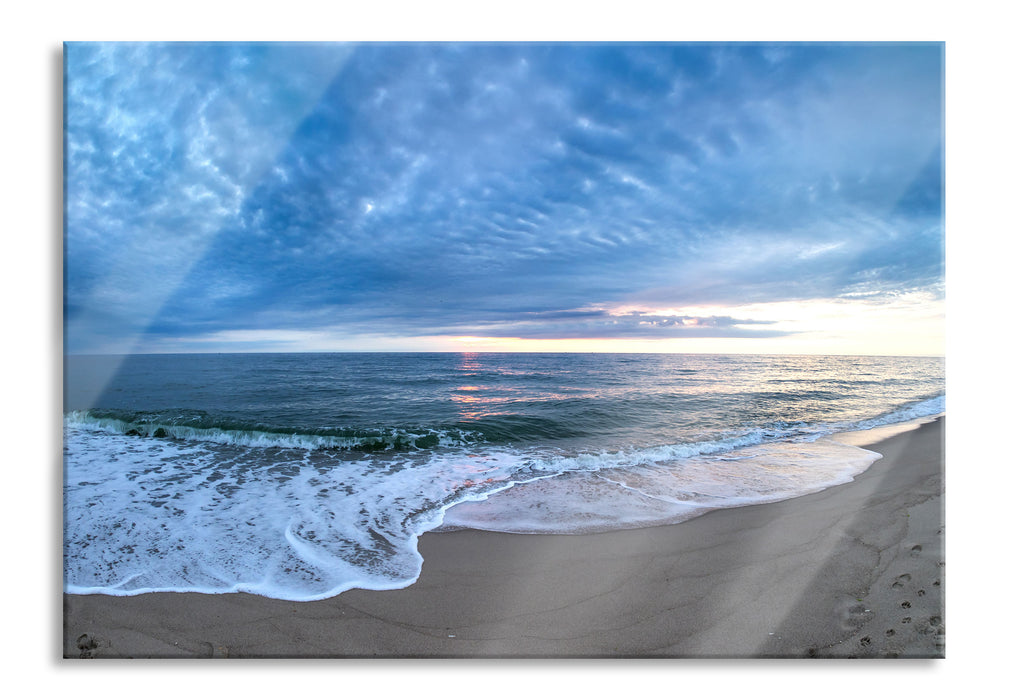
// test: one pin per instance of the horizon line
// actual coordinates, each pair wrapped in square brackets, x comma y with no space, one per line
[496,352]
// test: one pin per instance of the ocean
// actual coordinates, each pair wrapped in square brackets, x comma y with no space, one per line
[299,476]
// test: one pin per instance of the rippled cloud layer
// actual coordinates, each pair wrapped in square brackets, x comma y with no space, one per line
[528,191]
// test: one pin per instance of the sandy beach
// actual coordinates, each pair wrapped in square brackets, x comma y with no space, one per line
[856,570]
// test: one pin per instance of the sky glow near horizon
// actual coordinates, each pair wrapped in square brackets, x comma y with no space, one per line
[774,198]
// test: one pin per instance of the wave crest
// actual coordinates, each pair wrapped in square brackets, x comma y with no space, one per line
[200,428]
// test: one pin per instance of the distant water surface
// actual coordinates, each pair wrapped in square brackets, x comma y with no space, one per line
[299,476]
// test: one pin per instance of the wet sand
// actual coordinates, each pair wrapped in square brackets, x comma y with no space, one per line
[856,570]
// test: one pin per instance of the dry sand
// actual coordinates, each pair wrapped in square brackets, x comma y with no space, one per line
[852,571]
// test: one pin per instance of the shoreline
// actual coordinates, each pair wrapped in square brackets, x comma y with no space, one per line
[855,570]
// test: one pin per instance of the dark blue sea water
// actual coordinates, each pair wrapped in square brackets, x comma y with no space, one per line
[299,476]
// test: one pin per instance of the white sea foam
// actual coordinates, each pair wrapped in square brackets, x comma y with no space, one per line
[145,514]
[672,483]
[148,514]
[657,492]
[911,412]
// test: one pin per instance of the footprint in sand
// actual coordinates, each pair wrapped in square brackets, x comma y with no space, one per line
[87,645]
[906,604]
[916,549]
[905,620]
[921,593]
[901,580]
[890,633]
[865,641]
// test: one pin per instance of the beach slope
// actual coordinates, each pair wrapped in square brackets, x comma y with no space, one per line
[855,570]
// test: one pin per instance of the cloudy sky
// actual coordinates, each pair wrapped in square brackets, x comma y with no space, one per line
[651,197]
